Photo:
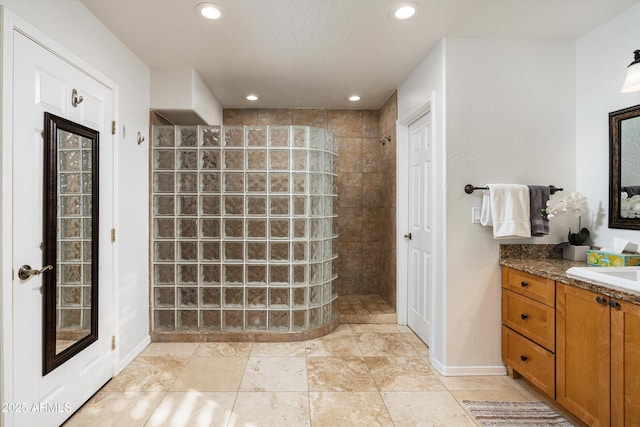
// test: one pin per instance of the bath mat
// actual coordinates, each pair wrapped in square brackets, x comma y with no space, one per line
[490,414]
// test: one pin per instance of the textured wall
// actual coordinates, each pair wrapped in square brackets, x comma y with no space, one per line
[363,191]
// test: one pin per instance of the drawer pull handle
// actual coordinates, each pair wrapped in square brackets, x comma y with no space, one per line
[600,300]
[524,316]
[523,358]
[614,304]
[524,284]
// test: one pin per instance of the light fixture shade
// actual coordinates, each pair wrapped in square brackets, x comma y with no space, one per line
[632,82]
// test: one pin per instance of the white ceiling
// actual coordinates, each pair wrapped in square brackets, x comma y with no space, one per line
[315,53]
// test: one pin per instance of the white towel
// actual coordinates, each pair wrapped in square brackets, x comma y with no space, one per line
[510,210]
[485,211]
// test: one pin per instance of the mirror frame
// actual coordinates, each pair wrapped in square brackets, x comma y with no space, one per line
[615,153]
[52,124]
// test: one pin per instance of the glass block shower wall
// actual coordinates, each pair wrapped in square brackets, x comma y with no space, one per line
[245,226]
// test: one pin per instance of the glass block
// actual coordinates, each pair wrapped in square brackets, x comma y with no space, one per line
[187,136]
[256,320]
[257,274]
[279,320]
[256,251]
[187,274]
[211,136]
[299,183]
[210,320]
[187,159]
[279,182]
[315,251]
[70,205]
[86,251]
[256,228]
[256,297]
[187,251]
[256,182]
[86,183]
[279,274]
[210,297]
[334,186]
[328,208]
[86,205]
[300,136]
[327,162]
[187,205]
[256,159]
[257,137]
[164,159]
[70,251]
[70,296]
[210,205]
[299,160]
[334,268]
[233,274]
[299,320]
[299,228]
[210,159]
[315,183]
[233,136]
[187,320]
[299,251]
[69,160]
[316,138]
[315,273]
[232,320]
[164,136]
[187,228]
[86,228]
[86,296]
[234,228]
[279,251]
[163,182]
[326,271]
[70,183]
[210,182]
[256,205]
[299,205]
[279,297]
[233,159]
[316,206]
[279,205]
[233,182]
[315,228]
[328,184]
[164,320]
[210,228]
[233,205]
[164,251]
[187,182]
[164,274]
[279,136]
[334,228]
[327,295]
[279,160]
[327,249]
[315,161]
[233,251]
[326,313]
[70,318]
[299,297]
[279,228]
[187,297]
[315,295]
[210,251]
[210,274]
[233,297]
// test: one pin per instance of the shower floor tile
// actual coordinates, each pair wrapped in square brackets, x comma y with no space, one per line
[365,309]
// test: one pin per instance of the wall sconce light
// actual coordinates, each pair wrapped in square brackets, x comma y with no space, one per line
[632,82]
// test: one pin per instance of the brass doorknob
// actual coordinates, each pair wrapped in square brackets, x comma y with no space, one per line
[26,271]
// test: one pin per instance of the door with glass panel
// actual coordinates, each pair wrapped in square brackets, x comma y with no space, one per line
[62,253]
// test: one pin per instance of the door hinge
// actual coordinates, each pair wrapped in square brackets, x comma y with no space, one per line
[113,235]
[113,343]
[113,127]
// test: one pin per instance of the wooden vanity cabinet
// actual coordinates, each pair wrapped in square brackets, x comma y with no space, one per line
[625,364]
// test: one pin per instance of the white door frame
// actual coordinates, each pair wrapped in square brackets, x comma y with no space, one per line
[11,23]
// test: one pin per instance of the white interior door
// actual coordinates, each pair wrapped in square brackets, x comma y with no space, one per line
[44,82]
[420,261]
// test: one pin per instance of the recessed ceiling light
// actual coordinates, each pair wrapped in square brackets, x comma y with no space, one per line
[209,10]
[252,97]
[354,98]
[404,11]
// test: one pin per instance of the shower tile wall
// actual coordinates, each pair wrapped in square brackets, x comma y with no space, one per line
[244,220]
[366,189]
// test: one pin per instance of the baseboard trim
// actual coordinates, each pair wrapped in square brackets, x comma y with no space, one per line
[128,358]
[468,371]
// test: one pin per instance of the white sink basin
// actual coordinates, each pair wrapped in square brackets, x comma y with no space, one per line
[622,277]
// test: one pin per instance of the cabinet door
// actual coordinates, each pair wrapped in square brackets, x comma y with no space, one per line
[625,365]
[583,354]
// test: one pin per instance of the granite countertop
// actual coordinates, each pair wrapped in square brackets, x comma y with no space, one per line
[554,269]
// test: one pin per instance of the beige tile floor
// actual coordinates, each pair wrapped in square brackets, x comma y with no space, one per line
[359,375]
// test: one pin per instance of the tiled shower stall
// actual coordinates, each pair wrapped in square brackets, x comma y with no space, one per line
[245,226]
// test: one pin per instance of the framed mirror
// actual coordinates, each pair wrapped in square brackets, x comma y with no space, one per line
[624,168]
[70,239]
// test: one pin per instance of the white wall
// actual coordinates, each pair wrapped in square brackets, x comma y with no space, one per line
[601,60]
[71,25]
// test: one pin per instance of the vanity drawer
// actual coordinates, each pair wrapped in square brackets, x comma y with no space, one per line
[530,360]
[530,318]
[534,287]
